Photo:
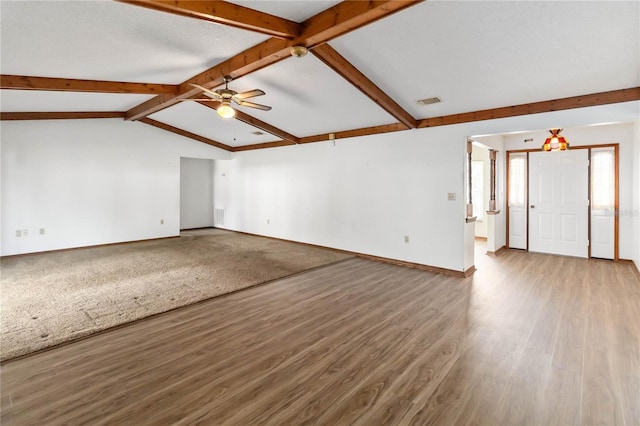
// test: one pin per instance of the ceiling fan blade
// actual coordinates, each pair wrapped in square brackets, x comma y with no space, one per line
[206,91]
[253,105]
[249,94]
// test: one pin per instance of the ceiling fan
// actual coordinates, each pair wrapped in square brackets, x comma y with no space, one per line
[226,96]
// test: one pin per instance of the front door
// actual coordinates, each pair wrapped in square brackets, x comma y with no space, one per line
[559,202]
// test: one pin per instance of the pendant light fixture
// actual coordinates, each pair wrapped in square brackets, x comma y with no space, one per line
[555,142]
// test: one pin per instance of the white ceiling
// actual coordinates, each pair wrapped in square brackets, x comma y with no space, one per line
[473,55]
[107,40]
[487,54]
[297,11]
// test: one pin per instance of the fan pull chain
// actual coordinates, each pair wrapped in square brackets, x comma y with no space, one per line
[234,129]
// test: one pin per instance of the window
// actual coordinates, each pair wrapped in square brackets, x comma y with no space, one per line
[602,179]
[517,180]
[477,185]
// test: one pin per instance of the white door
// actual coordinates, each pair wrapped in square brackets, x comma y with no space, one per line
[559,202]
[602,202]
[518,201]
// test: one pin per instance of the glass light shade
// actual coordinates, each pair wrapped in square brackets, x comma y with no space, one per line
[225,110]
[555,142]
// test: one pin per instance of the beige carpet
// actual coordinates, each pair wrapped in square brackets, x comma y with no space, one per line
[50,298]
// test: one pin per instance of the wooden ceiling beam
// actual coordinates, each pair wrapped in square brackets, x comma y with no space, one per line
[374,130]
[259,124]
[23,82]
[344,68]
[264,145]
[326,137]
[594,99]
[321,28]
[66,115]
[222,12]
[185,133]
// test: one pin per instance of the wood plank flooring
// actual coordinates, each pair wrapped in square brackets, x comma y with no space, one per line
[528,339]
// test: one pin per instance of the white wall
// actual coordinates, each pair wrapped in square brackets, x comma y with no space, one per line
[196,193]
[624,134]
[89,182]
[101,181]
[363,194]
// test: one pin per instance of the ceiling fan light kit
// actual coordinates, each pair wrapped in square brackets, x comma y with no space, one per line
[225,110]
[226,96]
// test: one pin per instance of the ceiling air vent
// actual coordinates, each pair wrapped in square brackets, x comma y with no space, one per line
[257,133]
[429,101]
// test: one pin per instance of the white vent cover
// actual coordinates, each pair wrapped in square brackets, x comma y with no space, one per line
[218,217]
[429,101]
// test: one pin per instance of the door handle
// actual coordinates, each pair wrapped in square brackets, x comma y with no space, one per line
[532,206]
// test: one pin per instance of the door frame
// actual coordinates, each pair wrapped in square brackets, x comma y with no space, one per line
[616,220]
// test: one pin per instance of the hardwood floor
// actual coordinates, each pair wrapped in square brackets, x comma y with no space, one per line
[528,339]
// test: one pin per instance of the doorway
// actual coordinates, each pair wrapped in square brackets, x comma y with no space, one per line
[563,202]
[196,193]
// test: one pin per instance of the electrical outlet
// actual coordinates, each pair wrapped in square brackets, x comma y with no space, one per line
[451,196]
[18,232]
[25,232]
[268,221]
[161,221]
[41,231]
[406,239]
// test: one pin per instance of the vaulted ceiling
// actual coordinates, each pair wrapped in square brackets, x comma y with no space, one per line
[369,63]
